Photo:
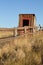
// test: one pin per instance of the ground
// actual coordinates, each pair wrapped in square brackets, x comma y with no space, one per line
[22,50]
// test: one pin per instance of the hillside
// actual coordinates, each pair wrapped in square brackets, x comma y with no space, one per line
[22,50]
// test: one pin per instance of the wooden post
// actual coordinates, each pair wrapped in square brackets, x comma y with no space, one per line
[16,32]
[25,29]
[34,30]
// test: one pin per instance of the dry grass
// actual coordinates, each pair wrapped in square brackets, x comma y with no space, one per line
[24,50]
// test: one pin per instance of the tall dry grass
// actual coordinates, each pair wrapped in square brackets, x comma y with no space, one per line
[30,53]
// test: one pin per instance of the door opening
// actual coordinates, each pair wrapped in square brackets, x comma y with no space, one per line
[25,22]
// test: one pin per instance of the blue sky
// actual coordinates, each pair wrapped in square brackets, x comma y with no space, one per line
[10,10]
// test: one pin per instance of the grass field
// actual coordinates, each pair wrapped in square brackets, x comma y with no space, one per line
[22,50]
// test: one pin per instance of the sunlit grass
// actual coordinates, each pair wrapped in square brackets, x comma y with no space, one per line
[26,51]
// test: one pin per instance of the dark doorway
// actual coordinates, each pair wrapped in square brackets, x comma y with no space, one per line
[25,23]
